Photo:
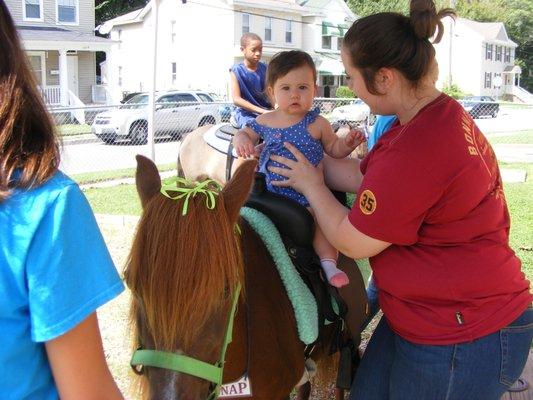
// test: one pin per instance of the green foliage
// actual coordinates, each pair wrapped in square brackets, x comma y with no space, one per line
[344,92]
[453,91]
[109,9]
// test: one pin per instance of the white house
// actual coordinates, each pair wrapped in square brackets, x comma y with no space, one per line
[199,41]
[479,57]
[58,36]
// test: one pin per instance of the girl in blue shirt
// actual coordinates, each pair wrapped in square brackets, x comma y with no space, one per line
[55,270]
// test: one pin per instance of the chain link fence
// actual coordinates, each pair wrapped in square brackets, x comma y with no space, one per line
[100,142]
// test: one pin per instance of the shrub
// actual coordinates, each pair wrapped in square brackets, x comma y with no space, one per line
[344,92]
[453,91]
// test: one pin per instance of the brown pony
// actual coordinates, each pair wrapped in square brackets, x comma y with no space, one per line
[183,271]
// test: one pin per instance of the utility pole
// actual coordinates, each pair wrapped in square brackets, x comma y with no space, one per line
[151,95]
[450,55]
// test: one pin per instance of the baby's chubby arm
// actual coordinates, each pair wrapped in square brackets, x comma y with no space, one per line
[335,146]
[244,142]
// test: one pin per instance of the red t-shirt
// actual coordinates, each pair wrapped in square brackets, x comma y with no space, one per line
[433,189]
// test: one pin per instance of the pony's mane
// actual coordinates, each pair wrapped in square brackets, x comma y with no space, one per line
[184,268]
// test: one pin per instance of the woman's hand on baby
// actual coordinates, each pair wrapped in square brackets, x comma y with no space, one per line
[354,138]
[301,174]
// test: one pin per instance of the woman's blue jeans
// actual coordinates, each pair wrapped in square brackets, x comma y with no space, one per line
[393,368]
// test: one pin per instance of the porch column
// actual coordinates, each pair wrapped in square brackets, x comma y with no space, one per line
[63,77]
[112,86]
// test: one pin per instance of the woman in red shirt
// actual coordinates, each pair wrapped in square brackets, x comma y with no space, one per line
[431,215]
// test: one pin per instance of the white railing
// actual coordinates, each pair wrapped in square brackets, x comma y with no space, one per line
[51,95]
[78,113]
[522,94]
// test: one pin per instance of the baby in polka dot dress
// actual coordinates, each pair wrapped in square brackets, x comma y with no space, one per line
[290,83]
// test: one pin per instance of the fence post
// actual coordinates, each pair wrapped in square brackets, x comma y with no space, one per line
[151,98]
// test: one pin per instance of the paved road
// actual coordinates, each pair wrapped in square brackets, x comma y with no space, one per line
[90,154]
[97,156]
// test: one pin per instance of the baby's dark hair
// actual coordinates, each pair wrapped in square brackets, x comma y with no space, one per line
[247,37]
[392,40]
[284,62]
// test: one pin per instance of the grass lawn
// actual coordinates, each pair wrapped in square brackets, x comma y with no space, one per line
[123,200]
[73,129]
[92,177]
[520,137]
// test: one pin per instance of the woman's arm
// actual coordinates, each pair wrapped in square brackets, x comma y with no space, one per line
[79,365]
[330,214]
[239,101]
[335,146]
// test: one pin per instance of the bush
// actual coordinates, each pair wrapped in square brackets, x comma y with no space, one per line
[344,92]
[453,91]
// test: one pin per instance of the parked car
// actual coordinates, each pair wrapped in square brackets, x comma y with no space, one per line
[480,106]
[357,111]
[176,112]
[224,109]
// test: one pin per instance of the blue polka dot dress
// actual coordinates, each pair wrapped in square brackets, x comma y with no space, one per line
[274,138]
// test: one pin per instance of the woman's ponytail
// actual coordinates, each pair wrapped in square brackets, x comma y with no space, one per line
[425,20]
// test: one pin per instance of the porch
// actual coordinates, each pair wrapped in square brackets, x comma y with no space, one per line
[64,65]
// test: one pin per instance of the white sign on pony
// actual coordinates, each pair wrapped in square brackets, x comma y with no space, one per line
[240,388]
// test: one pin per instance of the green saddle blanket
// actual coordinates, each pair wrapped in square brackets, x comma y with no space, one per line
[303,301]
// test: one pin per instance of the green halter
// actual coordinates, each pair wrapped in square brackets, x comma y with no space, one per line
[184,189]
[178,362]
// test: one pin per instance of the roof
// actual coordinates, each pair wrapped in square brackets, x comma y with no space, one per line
[37,33]
[317,7]
[490,31]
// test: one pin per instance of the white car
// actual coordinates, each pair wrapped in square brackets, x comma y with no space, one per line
[176,112]
[355,112]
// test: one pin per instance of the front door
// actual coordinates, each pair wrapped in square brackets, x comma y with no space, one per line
[72,67]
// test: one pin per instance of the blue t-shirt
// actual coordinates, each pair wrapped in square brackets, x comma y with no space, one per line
[55,270]
[252,87]
[382,125]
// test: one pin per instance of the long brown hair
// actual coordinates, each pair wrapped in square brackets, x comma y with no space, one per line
[27,137]
[393,40]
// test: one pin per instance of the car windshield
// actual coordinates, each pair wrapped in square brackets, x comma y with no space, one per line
[136,101]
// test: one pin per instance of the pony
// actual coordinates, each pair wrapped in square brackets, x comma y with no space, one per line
[187,263]
[198,159]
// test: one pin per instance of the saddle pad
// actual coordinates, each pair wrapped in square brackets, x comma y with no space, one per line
[303,302]
[216,142]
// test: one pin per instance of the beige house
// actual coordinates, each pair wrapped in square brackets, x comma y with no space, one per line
[58,36]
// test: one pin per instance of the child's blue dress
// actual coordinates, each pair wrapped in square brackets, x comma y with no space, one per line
[274,138]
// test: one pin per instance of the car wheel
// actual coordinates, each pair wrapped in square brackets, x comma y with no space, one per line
[108,140]
[175,135]
[494,113]
[206,121]
[139,132]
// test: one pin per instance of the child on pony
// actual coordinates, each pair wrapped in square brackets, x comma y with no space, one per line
[247,81]
[291,83]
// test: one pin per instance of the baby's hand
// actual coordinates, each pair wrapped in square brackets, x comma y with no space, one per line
[244,147]
[354,138]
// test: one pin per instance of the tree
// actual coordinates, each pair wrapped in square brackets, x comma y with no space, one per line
[109,9]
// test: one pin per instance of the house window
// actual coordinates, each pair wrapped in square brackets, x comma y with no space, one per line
[119,38]
[245,23]
[268,29]
[32,10]
[288,31]
[120,76]
[488,51]
[172,31]
[326,42]
[488,80]
[174,75]
[339,43]
[507,54]
[67,11]
[498,53]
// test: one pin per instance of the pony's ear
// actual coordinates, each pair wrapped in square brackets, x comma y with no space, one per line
[147,179]
[238,188]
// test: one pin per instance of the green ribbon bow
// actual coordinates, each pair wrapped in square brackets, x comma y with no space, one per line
[186,190]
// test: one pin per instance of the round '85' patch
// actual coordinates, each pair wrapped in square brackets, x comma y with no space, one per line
[367,202]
